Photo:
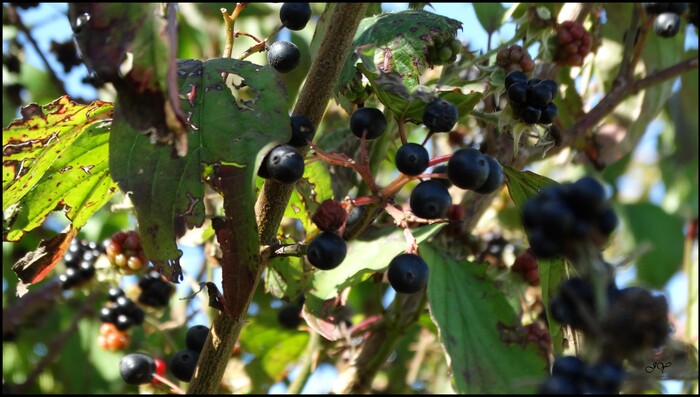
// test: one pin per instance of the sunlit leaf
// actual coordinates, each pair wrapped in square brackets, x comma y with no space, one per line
[225,128]
[56,158]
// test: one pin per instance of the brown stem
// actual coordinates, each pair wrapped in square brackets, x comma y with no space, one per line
[272,201]
[55,347]
[385,335]
[16,20]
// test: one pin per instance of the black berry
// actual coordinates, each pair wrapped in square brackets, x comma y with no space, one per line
[183,364]
[302,131]
[517,93]
[548,114]
[412,159]
[539,95]
[289,316]
[284,56]
[295,16]
[440,116]
[529,114]
[137,368]
[326,251]
[667,24]
[408,273]
[283,164]
[513,77]
[196,337]
[655,8]
[468,168]
[430,200]
[494,181]
[371,120]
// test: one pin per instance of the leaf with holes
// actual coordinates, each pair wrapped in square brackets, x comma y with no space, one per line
[398,41]
[479,329]
[55,158]
[234,123]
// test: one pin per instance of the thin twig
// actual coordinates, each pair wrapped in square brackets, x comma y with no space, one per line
[16,20]
[56,346]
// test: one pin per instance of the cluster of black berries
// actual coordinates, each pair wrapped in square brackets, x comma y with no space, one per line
[327,250]
[634,319]
[284,55]
[80,263]
[667,17]
[531,99]
[570,375]
[562,217]
[139,368]
[184,362]
[122,311]
[441,53]
[155,291]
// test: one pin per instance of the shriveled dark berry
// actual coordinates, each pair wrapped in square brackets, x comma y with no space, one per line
[468,168]
[196,337]
[183,364]
[408,273]
[430,200]
[667,24]
[137,368]
[412,159]
[494,181]
[283,164]
[440,116]
[295,16]
[371,120]
[329,216]
[326,251]
[284,56]
[303,131]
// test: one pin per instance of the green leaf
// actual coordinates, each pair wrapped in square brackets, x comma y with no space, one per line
[524,184]
[476,322]
[233,124]
[277,347]
[56,155]
[363,259]
[489,15]
[400,40]
[309,193]
[651,225]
